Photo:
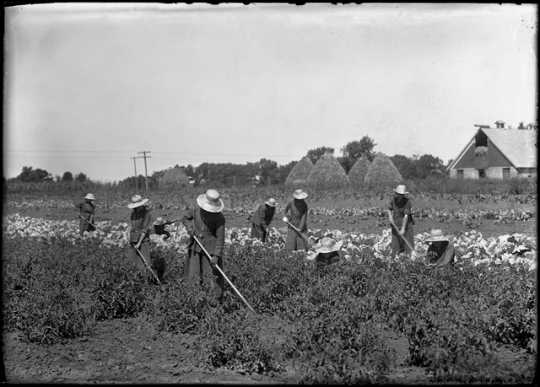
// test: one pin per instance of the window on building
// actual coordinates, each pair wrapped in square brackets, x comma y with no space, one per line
[480,139]
[481,173]
[460,173]
[506,173]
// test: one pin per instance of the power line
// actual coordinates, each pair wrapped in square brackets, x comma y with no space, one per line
[159,152]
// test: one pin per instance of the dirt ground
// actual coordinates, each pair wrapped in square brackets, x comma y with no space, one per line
[129,350]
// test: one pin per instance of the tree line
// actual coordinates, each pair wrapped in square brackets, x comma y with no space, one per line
[264,171]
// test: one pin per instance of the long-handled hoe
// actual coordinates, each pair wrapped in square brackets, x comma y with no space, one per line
[304,238]
[223,274]
[413,253]
[147,265]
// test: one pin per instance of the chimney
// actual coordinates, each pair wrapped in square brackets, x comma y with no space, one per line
[499,124]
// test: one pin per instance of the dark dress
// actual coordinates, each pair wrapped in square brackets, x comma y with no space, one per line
[325,259]
[260,220]
[296,211]
[87,210]
[441,253]
[400,208]
[141,223]
[209,228]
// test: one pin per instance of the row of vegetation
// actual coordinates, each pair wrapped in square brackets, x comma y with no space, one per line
[331,325]
[268,171]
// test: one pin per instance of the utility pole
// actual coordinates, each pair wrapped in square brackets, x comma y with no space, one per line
[144,156]
[135,170]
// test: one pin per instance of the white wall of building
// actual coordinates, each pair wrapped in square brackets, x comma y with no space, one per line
[491,173]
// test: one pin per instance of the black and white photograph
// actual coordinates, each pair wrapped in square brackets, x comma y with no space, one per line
[270,193]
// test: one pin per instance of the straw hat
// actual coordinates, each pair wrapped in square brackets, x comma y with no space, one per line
[90,196]
[328,245]
[437,235]
[137,201]
[325,245]
[299,194]
[210,201]
[400,189]
[159,221]
[271,202]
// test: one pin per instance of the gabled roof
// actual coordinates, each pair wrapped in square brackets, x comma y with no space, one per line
[517,145]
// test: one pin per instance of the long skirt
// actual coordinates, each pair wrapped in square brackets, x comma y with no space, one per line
[294,241]
[398,245]
[145,251]
[258,232]
[83,226]
[199,270]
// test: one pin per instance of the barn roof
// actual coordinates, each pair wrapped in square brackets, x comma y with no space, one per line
[517,145]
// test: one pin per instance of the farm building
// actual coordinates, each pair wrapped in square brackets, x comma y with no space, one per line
[497,153]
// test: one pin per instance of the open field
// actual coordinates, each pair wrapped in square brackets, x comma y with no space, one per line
[77,309]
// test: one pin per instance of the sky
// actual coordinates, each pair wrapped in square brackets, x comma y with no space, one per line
[88,86]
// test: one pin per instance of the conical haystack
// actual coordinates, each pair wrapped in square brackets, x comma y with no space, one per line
[358,172]
[327,173]
[382,173]
[174,177]
[300,172]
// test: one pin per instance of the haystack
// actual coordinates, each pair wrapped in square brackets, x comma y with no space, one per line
[327,173]
[174,177]
[358,172]
[382,173]
[300,172]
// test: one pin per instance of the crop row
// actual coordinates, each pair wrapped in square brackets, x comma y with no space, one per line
[470,246]
[332,321]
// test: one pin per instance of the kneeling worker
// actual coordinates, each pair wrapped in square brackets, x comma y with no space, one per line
[441,251]
[327,251]
[159,227]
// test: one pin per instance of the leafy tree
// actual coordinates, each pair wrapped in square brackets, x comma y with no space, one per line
[81,177]
[405,165]
[427,165]
[28,174]
[356,149]
[190,170]
[268,171]
[67,176]
[315,154]
[346,163]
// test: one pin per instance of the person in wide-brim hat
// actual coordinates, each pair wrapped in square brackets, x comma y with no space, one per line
[210,201]
[326,251]
[296,212]
[261,219]
[87,210]
[139,235]
[206,222]
[440,251]
[401,221]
